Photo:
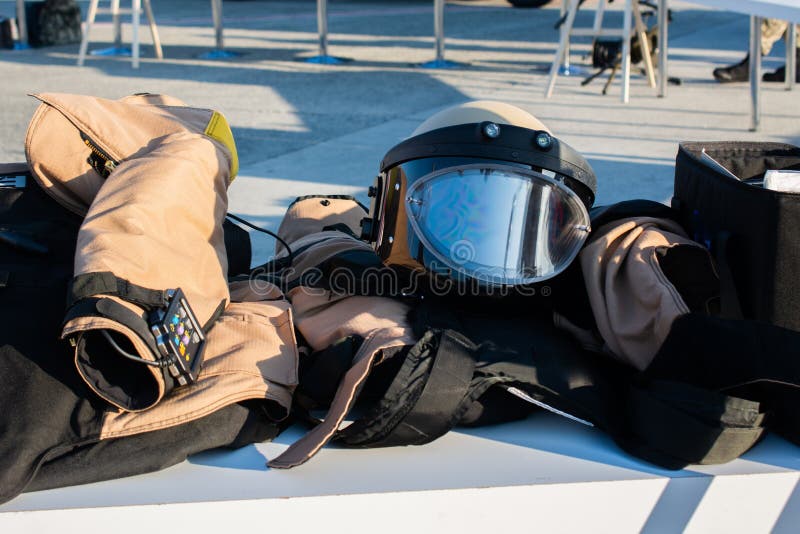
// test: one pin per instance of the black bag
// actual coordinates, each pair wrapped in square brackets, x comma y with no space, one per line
[53,22]
[6,33]
[753,232]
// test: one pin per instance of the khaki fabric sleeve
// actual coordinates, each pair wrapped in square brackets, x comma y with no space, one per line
[156,223]
[633,301]
[251,354]
[66,128]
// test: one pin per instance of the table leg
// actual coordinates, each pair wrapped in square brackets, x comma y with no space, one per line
[565,66]
[322,30]
[136,8]
[663,23]
[117,23]
[22,27]
[216,14]
[438,28]
[755,72]
[219,51]
[626,51]
[791,56]
[438,31]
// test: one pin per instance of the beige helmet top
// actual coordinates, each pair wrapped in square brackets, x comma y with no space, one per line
[479,111]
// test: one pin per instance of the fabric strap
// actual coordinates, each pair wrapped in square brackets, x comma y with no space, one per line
[303,449]
[106,283]
[439,406]
[100,307]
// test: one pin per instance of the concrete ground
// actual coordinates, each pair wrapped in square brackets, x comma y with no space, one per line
[304,128]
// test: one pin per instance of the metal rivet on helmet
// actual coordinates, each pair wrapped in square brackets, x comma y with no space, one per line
[543,140]
[490,130]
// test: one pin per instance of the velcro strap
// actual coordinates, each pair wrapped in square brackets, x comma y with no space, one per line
[442,402]
[106,283]
[103,307]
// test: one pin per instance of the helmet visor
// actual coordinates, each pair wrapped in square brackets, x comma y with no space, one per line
[498,224]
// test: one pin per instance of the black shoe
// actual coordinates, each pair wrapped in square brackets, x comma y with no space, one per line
[779,74]
[739,72]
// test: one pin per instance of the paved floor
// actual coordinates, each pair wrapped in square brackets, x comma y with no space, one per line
[306,128]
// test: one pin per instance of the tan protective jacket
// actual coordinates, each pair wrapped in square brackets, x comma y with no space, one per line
[151,175]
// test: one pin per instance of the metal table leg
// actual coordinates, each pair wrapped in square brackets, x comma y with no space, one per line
[219,51]
[791,56]
[438,29]
[118,50]
[663,44]
[755,72]
[322,29]
[626,52]
[136,7]
[22,27]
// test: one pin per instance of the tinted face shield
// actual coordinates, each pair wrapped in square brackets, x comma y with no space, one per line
[496,224]
[514,213]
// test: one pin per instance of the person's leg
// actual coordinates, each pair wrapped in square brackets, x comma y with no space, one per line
[771,31]
[779,74]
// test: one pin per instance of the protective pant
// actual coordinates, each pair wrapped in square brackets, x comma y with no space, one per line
[771,31]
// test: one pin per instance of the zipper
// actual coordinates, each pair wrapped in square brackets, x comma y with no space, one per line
[99,159]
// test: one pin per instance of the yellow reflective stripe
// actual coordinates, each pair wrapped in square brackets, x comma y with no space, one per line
[218,129]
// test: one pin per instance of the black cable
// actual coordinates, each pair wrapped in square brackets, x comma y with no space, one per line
[268,232]
[160,364]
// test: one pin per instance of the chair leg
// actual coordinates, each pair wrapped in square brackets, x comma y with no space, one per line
[136,8]
[566,29]
[644,43]
[87,28]
[153,29]
[791,56]
[626,52]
